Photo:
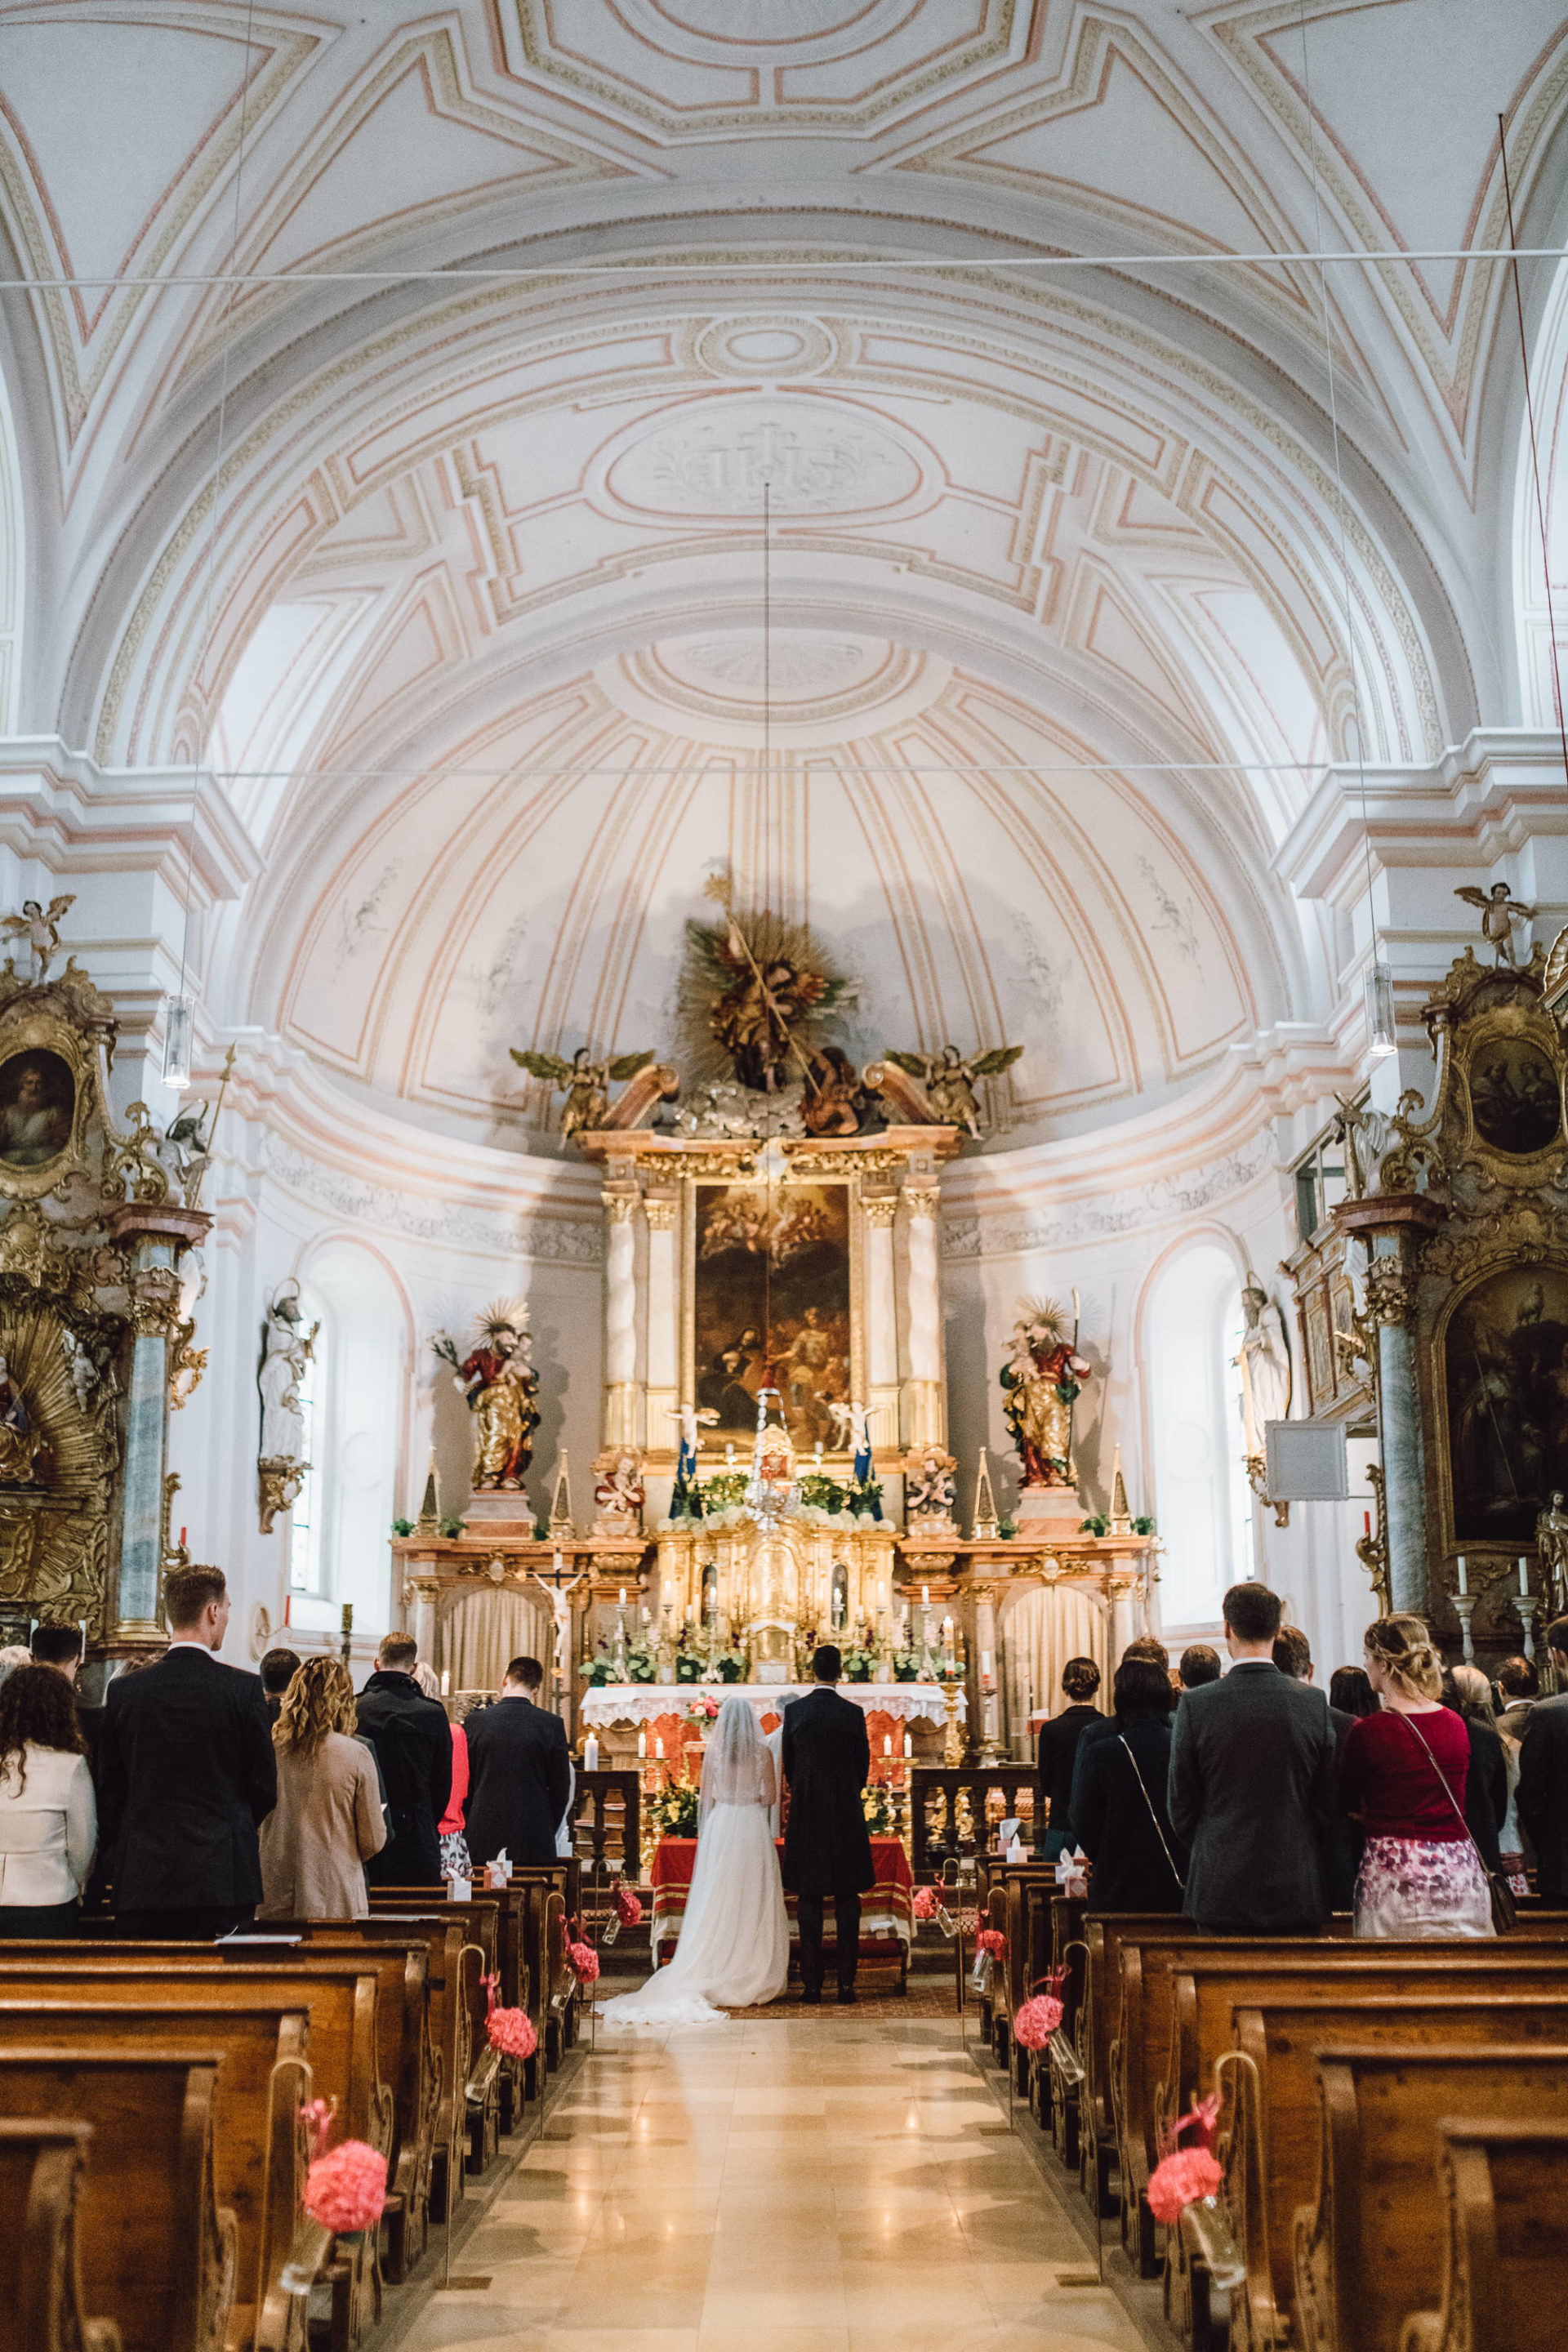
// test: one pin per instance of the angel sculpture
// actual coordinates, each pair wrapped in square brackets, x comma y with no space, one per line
[41,930]
[184,1143]
[948,1080]
[1500,913]
[586,1084]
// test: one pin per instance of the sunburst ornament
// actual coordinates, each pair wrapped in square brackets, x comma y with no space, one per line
[504,1315]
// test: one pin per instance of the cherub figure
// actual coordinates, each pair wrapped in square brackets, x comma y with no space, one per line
[949,1081]
[586,1084]
[1500,913]
[41,929]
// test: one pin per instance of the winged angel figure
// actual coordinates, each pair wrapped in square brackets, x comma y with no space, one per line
[949,1080]
[1500,913]
[41,929]
[586,1084]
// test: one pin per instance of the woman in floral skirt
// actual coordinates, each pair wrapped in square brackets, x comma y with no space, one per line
[1402,1773]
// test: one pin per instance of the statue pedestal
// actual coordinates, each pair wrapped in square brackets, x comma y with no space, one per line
[494,1513]
[1049,1511]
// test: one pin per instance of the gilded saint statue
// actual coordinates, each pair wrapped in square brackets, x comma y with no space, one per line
[1041,1383]
[1551,1547]
[498,1384]
[20,1444]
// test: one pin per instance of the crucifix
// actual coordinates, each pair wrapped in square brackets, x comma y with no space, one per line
[558,1587]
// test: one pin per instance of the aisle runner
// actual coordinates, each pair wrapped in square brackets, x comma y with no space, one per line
[887,1918]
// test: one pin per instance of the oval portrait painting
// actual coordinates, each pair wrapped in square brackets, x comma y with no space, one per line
[38,1106]
[1514,1097]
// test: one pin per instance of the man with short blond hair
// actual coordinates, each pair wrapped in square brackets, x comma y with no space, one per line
[187,1776]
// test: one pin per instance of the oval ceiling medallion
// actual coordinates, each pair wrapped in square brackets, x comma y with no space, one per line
[760,345]
[713,461]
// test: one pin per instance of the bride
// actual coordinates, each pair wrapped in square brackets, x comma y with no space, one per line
[733,1949]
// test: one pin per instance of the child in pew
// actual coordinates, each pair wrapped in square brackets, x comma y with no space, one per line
[328,1821]
[49,1815]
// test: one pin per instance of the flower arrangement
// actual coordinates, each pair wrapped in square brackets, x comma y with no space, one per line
[628,1907]
[992,1940]
[860,1664]
[675,1812]
[642,1666]
[876,1806]
[818,1492]
[1037,2020]
[703,1710]
[725,1491]
[345,2188]
[1097,1524]
[730,1665]
[924,1904]
[597,1670]
[510,2030]
[687,1666]
[403,1526]
[906,1665]
[1181,2178]
[586,1960]
[452,1528]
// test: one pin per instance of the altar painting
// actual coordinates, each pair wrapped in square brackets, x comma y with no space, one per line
[771,1296]
[1505,1378]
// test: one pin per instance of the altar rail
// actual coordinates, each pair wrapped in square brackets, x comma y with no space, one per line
[615,1832]
[948,1805]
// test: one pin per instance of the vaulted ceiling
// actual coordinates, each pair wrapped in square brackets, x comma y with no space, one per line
[399,399]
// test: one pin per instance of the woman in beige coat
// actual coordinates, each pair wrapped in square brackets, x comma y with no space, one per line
[328,1821]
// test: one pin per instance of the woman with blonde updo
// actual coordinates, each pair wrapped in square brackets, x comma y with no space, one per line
[328,1821]
[1402,1772]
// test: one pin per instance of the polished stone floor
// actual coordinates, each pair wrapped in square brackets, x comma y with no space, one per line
[832,2185]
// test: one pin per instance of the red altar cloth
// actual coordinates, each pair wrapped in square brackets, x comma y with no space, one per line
[887,1915]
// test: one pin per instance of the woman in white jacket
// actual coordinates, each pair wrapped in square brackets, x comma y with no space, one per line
[48,1816]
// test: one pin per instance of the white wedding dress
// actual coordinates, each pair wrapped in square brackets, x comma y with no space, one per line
[734,1948]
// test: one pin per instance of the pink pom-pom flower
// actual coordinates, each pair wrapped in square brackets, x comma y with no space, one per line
[628,1907]
[1037,2020]
[346,2189]
[586,1960]
[1181,2179]
[924,1904]
[512,2033]
[992,1940]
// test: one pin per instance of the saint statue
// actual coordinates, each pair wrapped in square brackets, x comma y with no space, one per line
[1265,1362]
[1551,1548]
[19,1444]
[1040,1382]
[286,1350]
[686,1495]
[498,1384]
[930,1491]
[618,1493]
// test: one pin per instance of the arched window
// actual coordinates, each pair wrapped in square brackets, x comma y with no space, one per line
[1192,1325]
[354,1400]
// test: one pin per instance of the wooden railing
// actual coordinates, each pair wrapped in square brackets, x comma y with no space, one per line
[609,1816]
[950,1808]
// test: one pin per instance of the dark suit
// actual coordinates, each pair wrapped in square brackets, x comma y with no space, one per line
[1343,1841]
[186,1774]
[1543,1796]
[519,1776]
[1102,1727]
[1486,1791]
[827,1756]
[1055,1755]
[1251,1790]
[412,1742]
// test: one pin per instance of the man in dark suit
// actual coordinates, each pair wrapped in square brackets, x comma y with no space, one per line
[1343,1841]
[186,1776]
[1056,1750]
[519,1772]
[412,1740]
[827,1756]
[1543,1797]
[1252,1784]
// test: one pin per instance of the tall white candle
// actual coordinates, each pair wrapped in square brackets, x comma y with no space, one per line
[1464,1587]
[446,1682]
[986,1663]
[908,1746]
[1524,1579]
[642,1742]
[925,1596]
[887,1743]
[623,1596]
[658,1751]
[591,1753]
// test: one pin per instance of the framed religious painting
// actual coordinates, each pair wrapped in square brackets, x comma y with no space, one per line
[1503,1397]
[48,1093]
[773,1303]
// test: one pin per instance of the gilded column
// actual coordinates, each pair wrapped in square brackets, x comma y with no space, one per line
[152,1235]
[923,1416]
[1390,1224]
[662,1353]
[881,1317]
[621,1316]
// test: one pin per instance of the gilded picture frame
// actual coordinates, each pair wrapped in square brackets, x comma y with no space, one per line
[50,1098]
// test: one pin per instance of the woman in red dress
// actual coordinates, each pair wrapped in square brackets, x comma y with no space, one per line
[1402,1774]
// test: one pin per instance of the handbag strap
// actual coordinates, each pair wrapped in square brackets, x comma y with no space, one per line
[1153,1816]
[1447,1791]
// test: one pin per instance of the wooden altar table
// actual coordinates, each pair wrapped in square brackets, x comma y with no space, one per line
[887,1913]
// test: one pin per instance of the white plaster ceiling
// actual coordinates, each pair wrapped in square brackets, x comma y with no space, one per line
[1059,601]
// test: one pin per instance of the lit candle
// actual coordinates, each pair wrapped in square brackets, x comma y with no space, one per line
[925,1596]
[947,1633]
[887,1743]
[1464,1586]
[985,1665]
[1524,1579]
[642,1742]
[908,1746]
[591,1754]
[623,1596]
[658,1751]
[446,1682]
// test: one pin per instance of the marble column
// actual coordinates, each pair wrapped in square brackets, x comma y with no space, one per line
[922,1414]
[621,1316]
[1390,1223]
[881,1317]
[425,1590]
[662,1353]
[152,1234]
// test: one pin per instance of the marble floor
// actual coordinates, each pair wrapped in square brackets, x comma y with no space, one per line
[830,2184]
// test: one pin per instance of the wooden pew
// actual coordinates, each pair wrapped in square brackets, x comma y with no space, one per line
[258,2173]
[1271,2134]
[439,2164]
[1375,2230]
[1507,2190]
[42,2308]
[477,2104]
[1104,1938]
[338,1993]
[1027,1926]
[156,2248]
[1056,2074]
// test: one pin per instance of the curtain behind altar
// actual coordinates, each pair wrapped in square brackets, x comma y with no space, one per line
[484,1632]
[1042,1630]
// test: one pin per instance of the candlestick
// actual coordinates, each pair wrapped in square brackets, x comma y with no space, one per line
[1524,1579]
[1463,1583]
[1465,1602]
[591,1753]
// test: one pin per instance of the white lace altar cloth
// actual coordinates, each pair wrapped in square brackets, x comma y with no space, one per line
[644,1702]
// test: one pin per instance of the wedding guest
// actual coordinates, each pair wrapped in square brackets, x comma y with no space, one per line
[412,1744]
[48,1818]
[1251,1784]
[187,1775]
[1519,1689]
[1120,1820]
[1350,1696]
[277,1670]
[1292,1653]
[328,1822]
[58,1645]
[1200,1665]
[1142,1646]
[519,1772]
[1058,1747]
[456,1861]
[1350,1693]
[1543,1776]
[1486,1790]
[1402,1772]
[14,1654]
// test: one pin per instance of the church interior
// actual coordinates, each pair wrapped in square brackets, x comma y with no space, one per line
[783,863]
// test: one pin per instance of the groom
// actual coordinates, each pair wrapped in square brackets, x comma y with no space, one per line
[827,1851]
